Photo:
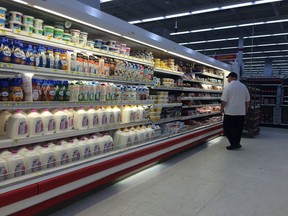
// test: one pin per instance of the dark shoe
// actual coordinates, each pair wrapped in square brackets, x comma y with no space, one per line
[233,147]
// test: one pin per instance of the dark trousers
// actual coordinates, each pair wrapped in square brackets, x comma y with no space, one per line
[233,127]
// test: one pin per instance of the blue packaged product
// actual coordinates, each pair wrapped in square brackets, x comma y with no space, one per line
[30,57]
[5,54]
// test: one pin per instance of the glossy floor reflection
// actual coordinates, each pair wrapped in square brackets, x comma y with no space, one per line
[205,181]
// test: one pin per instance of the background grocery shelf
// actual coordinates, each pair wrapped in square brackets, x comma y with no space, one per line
[202,105]
[167,105]
[204,82]
[40,39]
[165,71]
[210,75]
[47,72]
[166,120]
[199,115]
[200,98]
[188,89]
[64,104]
[70,133]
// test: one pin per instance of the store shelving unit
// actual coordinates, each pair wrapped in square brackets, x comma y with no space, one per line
[35,192]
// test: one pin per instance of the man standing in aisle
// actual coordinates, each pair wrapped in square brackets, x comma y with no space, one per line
[234,104]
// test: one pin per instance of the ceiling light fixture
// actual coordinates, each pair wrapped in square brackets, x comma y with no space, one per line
[208,10]
[240,25]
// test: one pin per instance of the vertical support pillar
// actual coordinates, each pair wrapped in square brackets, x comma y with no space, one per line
[240,55]
[268,67]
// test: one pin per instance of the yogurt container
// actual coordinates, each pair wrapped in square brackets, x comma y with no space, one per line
[38,31]
[98,43]
[83,38]
[3,13]
[90,44]
[66,37]
[15,16]
[38,23]
[75,35]
[59,25]
[15,25]
[28,28]
[48,31]
[58,33]
[112,43]
[2,22]
[28,20]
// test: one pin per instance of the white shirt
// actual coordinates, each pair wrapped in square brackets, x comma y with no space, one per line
[235,94]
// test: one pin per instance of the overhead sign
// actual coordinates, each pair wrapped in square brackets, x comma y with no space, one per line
[225,57]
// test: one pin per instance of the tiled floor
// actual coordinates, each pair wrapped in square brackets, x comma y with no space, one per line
[205,181]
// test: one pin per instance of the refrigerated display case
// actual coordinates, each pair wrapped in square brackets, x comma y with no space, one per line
[41,189]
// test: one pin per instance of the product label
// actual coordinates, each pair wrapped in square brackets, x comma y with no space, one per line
[5,94]
[104,119]
[39,126]
[51,162]
[35,95]
[118,117]
[52,93]
[87,152]
[3,173]
[111,118]
[64,158]
[132,116]
[19,170]
[129,141]
[23,128]
[64,64]
[61,93]
[70,121]
[136,140]
[63,123]
[51,125]
[96,150]
[36,165]
[85,121]
[5,126]
[76,155]
[108,147]
[95,120]
[7,55]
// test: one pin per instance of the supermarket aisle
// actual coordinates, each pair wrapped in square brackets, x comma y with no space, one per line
[205,181]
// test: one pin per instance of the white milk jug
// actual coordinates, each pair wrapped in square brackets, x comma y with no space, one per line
[4,116]
[102,117]
[127,114]
[61,154]
[35,124]
[151,132]
[116,136]
[48,122]
[15,165]
[32,160]
[93,118]
[125,139]
[73,151]
[110,116]
[70,118]
[61,121]
[81,119]
[47,157]
[142,113]
[136,113]
[109,144]
[3,170]
[84,147]
[17,125]
[134,136]
[117,114]
[94,145]
[146,133]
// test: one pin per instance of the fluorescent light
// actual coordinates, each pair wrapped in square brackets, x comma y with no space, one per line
[179,33]
[21,2]
[236,5]
[240,25]
[247,37]
[135,22]
[153,19]
[146,44]
[277,21]
[266,1]
[225,27]
[103,1]
[205,10]
[201,30]
[177,15]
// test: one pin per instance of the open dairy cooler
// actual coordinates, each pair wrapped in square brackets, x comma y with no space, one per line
[94,155]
